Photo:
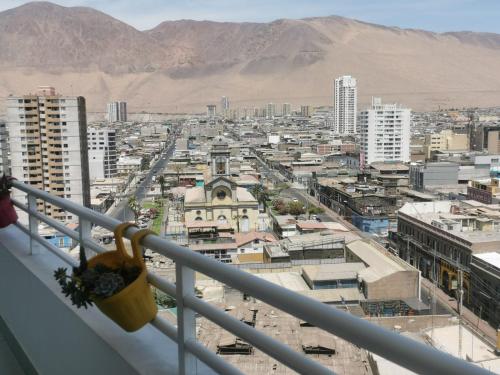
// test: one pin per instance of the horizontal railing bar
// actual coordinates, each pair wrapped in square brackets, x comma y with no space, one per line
[52,248]
[88,243]
[281,352]
[392,346]
[209,358]
[162,284]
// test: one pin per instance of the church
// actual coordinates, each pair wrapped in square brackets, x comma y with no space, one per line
[221,200]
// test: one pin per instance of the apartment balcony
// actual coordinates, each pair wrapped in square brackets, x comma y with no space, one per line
[47,335]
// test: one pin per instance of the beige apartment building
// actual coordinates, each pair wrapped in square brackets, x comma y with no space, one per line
[48,147]
[446,140]
[494,142]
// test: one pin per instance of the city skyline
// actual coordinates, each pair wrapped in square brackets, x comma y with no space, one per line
[437,16]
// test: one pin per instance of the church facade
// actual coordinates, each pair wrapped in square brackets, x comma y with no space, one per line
[221,200]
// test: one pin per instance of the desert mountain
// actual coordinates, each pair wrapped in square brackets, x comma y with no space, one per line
[183,65]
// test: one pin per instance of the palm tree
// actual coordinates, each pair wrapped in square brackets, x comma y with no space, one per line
[161,181]
[135,206]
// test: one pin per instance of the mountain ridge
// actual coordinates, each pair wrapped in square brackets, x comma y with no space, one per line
[183,64]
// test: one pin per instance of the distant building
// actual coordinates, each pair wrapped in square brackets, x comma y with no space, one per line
[306,110]
[485,278]
[494,142]
[446,140]
[4,150]
[345,105]
[224,104]
[211,110]
[286,109]
[270,111]
[48,147]
[423,176]
[385,132]
[117,111]
[103,157]
[484,191]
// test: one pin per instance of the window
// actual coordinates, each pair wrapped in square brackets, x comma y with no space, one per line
[222,219]
[221,194]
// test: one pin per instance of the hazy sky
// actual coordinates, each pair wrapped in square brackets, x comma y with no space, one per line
[435,15]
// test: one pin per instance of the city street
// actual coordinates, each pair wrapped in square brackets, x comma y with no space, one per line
[122,211]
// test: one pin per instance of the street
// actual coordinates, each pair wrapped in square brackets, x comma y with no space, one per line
[122,212]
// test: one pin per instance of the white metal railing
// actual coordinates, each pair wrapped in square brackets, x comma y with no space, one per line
[404,351]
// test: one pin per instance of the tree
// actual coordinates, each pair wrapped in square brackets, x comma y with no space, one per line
[178,168]
[313,210]
[261,194]
[161,181]
[280,206]
[145,162]
[135,206]
[295,208]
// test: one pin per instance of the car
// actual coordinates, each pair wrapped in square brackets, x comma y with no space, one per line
[318,219]
[295,200]
[314,217]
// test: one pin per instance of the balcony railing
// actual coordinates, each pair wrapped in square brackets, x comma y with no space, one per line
[401,350]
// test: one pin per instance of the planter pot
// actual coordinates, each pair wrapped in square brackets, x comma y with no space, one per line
[134,306]
[8,213]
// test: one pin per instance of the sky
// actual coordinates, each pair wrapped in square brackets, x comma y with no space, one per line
[433,15]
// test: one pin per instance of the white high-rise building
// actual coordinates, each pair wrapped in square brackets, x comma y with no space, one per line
[286,109]
[117,111]
[385,132]
[211,110]
[48,147]
[345,105]
[102,153]
[224,105]
[4,150]
[270,111]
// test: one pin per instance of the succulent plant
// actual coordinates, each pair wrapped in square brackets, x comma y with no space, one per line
[100,281]
[108,284]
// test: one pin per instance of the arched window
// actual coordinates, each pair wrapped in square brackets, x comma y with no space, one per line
[222,219]
[198,218]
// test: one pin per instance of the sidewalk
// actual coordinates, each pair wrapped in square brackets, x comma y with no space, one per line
[480,326]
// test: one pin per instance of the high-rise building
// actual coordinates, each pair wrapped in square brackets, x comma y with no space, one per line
[345,105]
[102,153]
[224,105]
[211,110]
[117,111]
[306,110]
[4,149]
[286,109]
[48,147]
[385,132]
[270,111]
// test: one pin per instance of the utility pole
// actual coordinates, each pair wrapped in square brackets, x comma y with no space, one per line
[459,308]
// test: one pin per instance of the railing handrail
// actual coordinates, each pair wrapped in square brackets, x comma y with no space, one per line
[392,346]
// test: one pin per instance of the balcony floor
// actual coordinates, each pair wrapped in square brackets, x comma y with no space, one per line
[8,362]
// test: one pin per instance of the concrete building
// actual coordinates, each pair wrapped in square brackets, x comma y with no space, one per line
[211,110]
[439,238]
[423,176]
[494,142]
[306,111]
[270,111]
[345,99]
[485,278]
[48,147]
[484,191]
[286,109]
[446,140]
[4,149]
[224,105]
[117,111]
[385,132]
[103,157]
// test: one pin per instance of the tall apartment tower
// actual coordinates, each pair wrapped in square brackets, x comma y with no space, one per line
[270,111]
[224,105]
[48,147]
[286,109]
[345,105]
[211,110]
[4,149]
[117,111]
[103,157]
[385,132]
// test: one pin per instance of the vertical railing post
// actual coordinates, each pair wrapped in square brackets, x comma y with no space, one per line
[33,225]
[186,325]
[84,233]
